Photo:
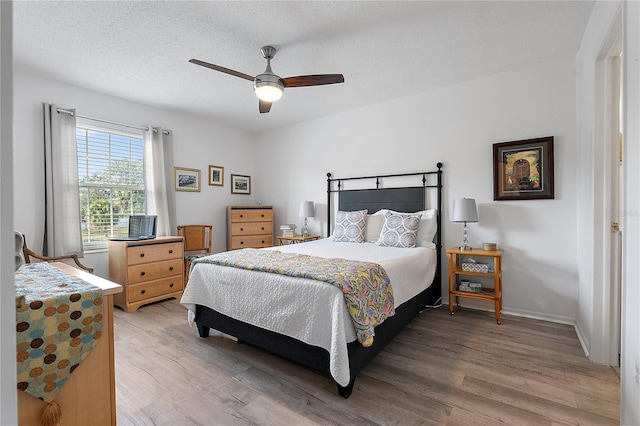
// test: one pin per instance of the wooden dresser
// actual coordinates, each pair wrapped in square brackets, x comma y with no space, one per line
[149,270]
[249,227]
[89,396]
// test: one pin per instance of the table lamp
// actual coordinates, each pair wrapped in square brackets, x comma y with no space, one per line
[464,210]
[306,210]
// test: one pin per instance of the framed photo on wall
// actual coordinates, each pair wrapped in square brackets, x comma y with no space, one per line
[240,184]
[523,170]
[186,179]
[216,175]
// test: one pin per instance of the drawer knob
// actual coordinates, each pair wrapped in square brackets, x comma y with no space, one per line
[170,251]
[171,268]
[143,291]
[141,254]
[142,273]
[242,229]
[241,215]
[171,285]
[241,242]
[262,241]
[263,228]
[262,215]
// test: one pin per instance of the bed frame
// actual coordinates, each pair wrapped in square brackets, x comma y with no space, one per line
[405,199]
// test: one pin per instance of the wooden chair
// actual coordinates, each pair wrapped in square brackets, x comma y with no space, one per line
[197,243]
[28,254]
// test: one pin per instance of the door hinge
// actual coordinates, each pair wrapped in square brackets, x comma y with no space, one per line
[615,227]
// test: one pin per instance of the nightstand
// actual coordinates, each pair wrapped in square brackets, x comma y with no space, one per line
[293,239]
[456,269]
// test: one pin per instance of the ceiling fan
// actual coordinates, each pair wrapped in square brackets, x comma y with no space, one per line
[269,86]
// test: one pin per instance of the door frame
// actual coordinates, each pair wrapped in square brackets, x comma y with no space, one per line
[606,335]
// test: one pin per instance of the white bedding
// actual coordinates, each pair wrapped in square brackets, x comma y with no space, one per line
[310,311]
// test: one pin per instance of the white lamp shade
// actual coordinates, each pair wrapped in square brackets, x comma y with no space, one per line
[464,210]
[306,209]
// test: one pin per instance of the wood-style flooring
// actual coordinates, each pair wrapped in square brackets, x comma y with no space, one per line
[444,370]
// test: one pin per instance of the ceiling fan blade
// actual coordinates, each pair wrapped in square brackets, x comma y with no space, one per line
[222,69]
[264,106]
[313,80]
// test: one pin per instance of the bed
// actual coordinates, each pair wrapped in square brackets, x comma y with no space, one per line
[313,326]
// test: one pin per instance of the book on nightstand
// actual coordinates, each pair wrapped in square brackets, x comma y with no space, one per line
[288,229]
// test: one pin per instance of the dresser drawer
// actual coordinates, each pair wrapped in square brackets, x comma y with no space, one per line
[154,288]
[255,241]
[154,252]
[154,270]
[253,228]
[252,215]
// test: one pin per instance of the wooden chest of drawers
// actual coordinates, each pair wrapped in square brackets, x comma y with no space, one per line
[249,226]
[148,271]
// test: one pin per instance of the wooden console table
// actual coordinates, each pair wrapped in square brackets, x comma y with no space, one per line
[89,396]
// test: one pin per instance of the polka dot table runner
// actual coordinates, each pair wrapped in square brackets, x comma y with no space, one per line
[56,328]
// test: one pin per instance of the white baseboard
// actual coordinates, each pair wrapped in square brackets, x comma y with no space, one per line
[582,338]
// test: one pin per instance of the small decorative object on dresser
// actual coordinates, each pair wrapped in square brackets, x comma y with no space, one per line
[148,270]
[465,288]
[249,227]
[216,175]
[240,184]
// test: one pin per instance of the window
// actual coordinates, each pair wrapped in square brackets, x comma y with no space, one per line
[111,179]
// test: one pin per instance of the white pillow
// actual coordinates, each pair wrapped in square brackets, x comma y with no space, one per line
[373,227]
[349,226]
[399,230]
[427,229]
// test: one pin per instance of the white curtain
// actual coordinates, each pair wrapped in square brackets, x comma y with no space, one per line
[158,178]
[63,233]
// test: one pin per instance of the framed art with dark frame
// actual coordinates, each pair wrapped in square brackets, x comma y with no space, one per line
[216,175]
[240,184]
[186,179]
[523,170]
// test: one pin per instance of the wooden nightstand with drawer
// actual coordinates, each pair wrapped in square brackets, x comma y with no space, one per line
[249,227]
[148,270]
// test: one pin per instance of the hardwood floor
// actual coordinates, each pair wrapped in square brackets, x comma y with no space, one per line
[442,369]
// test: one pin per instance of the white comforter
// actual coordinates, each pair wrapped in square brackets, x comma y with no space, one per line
[315,312]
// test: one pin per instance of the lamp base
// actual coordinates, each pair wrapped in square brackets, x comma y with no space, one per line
[465,248]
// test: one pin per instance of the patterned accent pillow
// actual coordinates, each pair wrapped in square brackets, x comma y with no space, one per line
[349,226]
[399,230]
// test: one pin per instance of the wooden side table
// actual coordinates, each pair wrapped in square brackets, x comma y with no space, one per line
[487,293]
[294,239]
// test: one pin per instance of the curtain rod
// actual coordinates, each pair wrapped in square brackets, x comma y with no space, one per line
[66,111]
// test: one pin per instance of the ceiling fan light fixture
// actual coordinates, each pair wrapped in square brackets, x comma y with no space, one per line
[268,87]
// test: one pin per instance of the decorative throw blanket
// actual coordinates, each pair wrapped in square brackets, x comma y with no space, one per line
[56,328]
[366,286]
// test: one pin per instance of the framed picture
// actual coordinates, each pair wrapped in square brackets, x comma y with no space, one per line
[523,170]
[216,175]
[240,184]
[186,179]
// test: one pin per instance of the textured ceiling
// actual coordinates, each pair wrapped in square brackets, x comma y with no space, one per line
[139,50]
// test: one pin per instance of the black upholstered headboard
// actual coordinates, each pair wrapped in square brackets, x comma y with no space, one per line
[411,196]
[406,200]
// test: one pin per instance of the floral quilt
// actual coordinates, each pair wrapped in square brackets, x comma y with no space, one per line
[366,286]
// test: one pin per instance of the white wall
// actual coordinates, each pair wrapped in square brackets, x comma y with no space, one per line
[198,142]
[456,125]
[8,396]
